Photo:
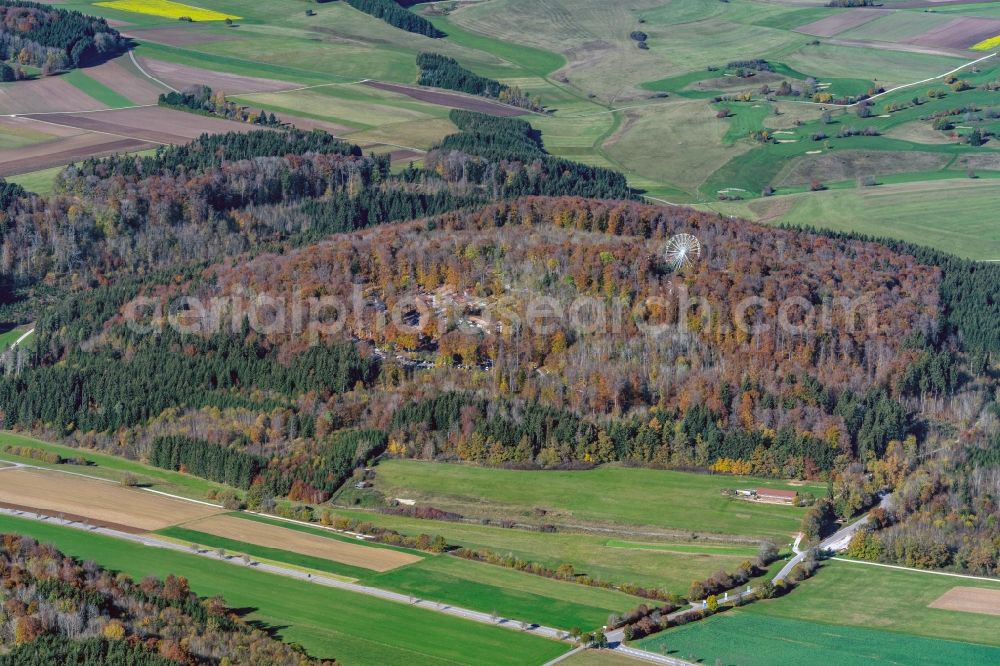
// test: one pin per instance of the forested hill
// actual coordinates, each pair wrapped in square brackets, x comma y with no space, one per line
[58,610]
[776,352]
[52,38]
[225,194]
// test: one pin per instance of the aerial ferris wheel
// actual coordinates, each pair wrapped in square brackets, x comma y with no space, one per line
[682,250]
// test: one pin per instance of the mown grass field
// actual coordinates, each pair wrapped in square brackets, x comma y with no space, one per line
[327,622]
[748,639]
[608,494]
[450,580]
[507,593]
[956,215]
[590,554]
[862,595]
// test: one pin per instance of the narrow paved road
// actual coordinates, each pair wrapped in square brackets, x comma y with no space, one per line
[836,541]
[457,611]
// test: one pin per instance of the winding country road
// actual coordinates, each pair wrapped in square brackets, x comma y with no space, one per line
[836,541]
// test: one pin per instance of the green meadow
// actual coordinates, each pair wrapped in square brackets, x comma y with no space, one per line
[327,622]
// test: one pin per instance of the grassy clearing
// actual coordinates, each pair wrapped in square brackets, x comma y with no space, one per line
[893,601]
[40,182]
[608,494]
[742,637]
[11,335]
[328,622]
[507,593]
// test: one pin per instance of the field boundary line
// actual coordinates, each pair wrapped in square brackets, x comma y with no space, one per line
[300,88]
[96,131]
[29,114]
[914,570]
[131,56]
[446,609]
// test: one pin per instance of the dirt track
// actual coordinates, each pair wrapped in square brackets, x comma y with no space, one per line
[453,100]
[272,536]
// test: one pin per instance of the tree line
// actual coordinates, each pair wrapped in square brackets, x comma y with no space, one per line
[73,612]
[202,100]
[52,38]
[397,16]
[440,71]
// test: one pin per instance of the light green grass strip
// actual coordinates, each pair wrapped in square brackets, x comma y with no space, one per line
[97,90]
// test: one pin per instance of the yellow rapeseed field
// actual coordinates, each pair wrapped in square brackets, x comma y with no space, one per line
[987,44]
[166,9]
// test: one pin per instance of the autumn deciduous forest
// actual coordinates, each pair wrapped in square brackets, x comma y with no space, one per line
[502,307]
[55,609]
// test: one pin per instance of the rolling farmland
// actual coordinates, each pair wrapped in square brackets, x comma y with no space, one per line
[302,610]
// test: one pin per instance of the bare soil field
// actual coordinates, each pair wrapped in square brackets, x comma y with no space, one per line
[182,76]
[64,150]
[838,23]
[452,100]
[960,33]
[171,126]
[272,536]
[179,36]
[42,95]
[969,600]
[48,491]
[74,517]
[124,81]
[847,164]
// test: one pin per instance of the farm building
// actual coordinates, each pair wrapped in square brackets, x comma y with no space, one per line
[778,496]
